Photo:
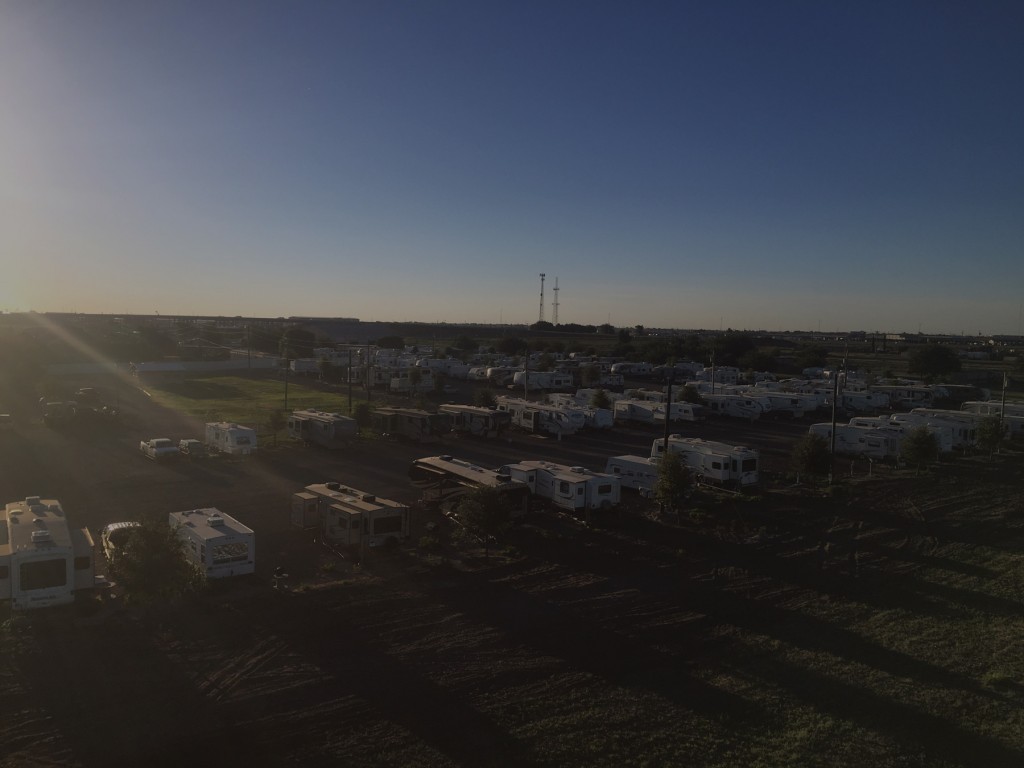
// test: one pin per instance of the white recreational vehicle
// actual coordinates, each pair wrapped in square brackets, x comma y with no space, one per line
[637,472]
[216,543]
[733,406]
[230,438]
[880,444]
[867,401]
[348,517]
[713,462]
[43,560]
[537,380]
[476,420]
[649,411]
[574,489]
[330,430]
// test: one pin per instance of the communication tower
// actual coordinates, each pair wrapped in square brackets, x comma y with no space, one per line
[541,297]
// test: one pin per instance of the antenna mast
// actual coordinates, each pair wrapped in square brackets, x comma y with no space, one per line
[541,297]
[555,304]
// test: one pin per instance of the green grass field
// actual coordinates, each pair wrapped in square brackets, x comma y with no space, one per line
[243,400]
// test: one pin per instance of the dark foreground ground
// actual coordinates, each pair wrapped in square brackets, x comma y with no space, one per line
[878,625]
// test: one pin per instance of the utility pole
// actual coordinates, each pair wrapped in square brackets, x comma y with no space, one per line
[348,375]
[555,305]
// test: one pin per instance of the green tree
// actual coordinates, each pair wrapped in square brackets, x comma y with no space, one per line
[485,513]
[415,379]
[465,344]
[544,363]
[600,399]
[296,342]
[811,456]
[152,566]
[933,361]
[589,375]
[326,368]
[606,329]
[990,434]
[919,447]
[811,356]
[484,397]
[691,395]
[510,345]
[674,482]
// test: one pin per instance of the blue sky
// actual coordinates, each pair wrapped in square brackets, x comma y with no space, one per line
[785,165]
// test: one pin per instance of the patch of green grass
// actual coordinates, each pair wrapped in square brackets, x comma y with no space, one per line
[244,400]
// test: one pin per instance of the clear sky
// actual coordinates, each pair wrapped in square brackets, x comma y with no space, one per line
[754,165]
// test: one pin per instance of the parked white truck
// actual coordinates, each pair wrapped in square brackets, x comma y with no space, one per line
[158,448]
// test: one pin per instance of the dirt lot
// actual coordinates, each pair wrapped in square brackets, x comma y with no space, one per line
[878,625]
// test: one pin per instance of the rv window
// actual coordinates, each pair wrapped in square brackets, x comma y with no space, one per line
[43,574]
[387,524]
[342,521]
[716,465]
[605,490]
[749,465]
[563,487]
[230,553]
[579,491]
[83,563]
[5,572]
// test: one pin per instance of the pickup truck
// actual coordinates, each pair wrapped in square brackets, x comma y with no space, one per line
[158,448]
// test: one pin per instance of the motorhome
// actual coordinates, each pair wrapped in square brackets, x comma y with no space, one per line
[43,559]
[712,462]
[329,430]
[649,412]
[879,444]
[733,406]
[410,424]
[229,438]
[444,480]
[574,489]
[476,420]
[216,543]
[637,472]
[348,517]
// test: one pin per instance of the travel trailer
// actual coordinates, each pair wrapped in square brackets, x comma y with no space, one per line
[733,406]
[715,463]
[329,430]
[868,401]
[348,517]
[230,438]
[538,418]
[648,411]
[43,559]
[476,420]
[637,472]
[444,480]
[573,489]
[538,380]
[410,424]
[216,543]
[879,444]
[404,381]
